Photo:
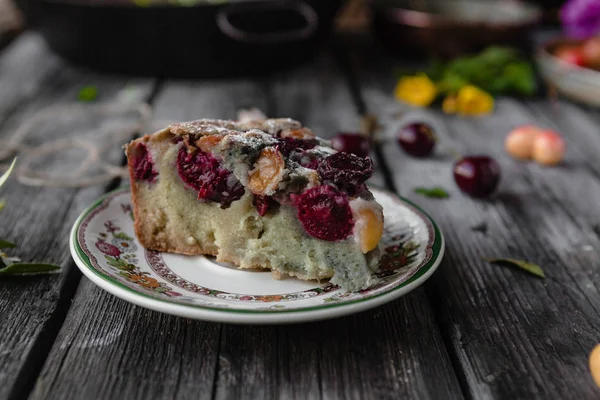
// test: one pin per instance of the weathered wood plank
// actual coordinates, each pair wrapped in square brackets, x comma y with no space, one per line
[247,362]
[38,219]
[140,353]
[392,336]
[512,335]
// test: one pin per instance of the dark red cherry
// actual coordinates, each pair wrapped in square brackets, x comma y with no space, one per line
[354,143]
[477,176]
[417,139]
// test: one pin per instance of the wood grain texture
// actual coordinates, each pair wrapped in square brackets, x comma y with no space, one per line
[389,337]
[511,335]
[131,347]
[38,219]
[140,354]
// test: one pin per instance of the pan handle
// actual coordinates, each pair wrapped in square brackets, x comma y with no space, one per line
[240,35]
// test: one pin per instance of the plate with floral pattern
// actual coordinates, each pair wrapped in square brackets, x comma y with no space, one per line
[104,246]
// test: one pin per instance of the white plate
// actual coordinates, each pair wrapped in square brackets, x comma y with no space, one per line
[104,246]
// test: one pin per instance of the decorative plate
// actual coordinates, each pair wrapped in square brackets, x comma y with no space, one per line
[106,250]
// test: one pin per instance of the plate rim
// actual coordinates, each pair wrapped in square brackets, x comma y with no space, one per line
[232,315]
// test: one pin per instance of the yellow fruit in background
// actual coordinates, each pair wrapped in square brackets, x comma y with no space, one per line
[416,90]
[595,364]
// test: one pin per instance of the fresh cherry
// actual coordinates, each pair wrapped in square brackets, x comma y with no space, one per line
[352,143]
[417,139]
[477,176]
[571,55]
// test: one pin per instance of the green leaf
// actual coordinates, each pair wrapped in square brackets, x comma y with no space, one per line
[436,192]
[88,93]
[497,70]
[6,245]
[2,205]
[524,265]
[28,268]
[5,176]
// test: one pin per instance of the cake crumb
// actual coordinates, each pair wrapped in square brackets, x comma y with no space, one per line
[276,275]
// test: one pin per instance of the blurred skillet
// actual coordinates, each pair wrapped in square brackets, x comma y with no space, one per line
[448,28]
[205,39]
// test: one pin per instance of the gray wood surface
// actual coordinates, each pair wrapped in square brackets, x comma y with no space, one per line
[510,335]
[32,309]
[324,360]
[475,330]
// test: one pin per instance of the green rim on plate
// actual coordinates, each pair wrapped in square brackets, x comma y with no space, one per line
[434,260]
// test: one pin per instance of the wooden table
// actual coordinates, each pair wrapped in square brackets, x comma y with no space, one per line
[473,331]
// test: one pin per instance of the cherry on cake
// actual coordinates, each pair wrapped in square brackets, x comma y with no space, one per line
[259,194]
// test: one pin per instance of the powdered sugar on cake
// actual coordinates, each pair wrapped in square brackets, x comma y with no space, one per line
[258,193]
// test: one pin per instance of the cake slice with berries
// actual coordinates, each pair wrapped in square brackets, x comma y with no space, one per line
[259,194]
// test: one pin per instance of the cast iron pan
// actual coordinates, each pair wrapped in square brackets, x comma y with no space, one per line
[203,41]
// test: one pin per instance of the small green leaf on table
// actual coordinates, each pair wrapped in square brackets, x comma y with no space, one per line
[88,93]
[6,245]
[2,205]
[5,176]
[436,192]
[27,268]
[524,265]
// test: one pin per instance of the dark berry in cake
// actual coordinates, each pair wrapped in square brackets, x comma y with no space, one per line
[143,167]
[203,173]
[346,171]
[325,213]
[287,145]
[263,204]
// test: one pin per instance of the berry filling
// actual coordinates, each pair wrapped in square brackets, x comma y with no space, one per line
[347,171]
[203,172]
[263,204]
[287,145]
[143,167]
[325,213]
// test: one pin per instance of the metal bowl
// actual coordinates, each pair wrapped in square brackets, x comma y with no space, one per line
[449,28]
[577,83]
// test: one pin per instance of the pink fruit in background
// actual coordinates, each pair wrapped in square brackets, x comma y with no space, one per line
[590,51]
[519,142]
[571,55]
[549,148]
[325,213]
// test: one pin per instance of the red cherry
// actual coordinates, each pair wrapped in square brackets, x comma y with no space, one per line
[352,143]
[325,213]
[417,139]
[477,176]
[571,55]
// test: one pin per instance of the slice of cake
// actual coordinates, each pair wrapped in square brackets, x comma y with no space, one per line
[259,194]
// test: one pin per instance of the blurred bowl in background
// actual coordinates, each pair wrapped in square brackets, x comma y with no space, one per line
[577,83]
[449,28]
[183,39]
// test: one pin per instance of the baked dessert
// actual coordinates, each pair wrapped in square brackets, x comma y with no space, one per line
[260,194]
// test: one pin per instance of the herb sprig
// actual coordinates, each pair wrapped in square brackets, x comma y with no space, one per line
[13,265]
[496,70]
